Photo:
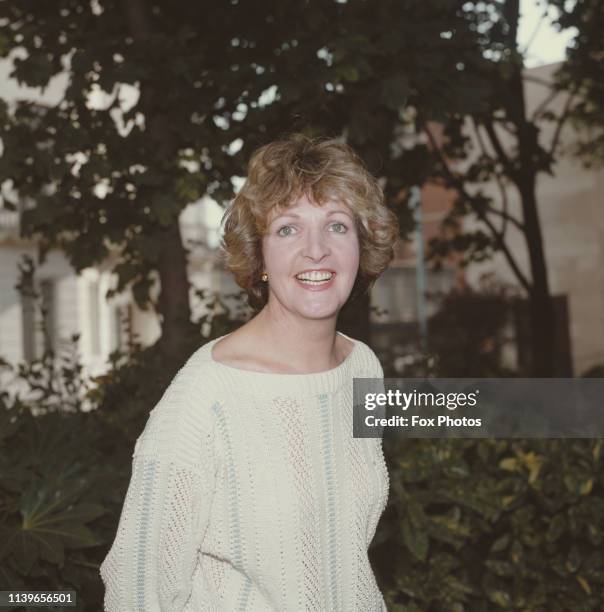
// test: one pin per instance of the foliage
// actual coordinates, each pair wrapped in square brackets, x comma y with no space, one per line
[493,154]
[112,177]
[65,460]
[483,525]
[60,479]
[158,103]
[468,525]
[471,525]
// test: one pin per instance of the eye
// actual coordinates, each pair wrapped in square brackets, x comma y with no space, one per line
[342,227]
[284,227]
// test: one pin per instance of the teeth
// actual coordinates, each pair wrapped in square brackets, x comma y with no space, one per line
[314,276]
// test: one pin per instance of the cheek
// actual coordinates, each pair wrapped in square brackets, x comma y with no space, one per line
[352,255]
[275,255]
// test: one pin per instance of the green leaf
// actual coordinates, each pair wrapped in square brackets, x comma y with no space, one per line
[416,515]
[416,540]
[500,543]
[84,512]
[51,549]
[500,598]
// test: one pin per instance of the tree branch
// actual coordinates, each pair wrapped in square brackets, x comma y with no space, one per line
[507,216]
[505,160]
[458,184]
[552,96]
[504,196]
[562,120]
[480,140]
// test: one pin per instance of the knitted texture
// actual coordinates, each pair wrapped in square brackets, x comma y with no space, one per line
[249,493]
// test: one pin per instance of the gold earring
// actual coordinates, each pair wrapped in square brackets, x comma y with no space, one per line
[264,277]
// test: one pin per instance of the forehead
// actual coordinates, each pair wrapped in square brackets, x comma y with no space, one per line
[297,207]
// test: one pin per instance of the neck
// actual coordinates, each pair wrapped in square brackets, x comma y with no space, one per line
[307,345]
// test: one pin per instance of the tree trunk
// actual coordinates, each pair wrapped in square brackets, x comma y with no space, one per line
[178,335]
[541,303]
[542,315]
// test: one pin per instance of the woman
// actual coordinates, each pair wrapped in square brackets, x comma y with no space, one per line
[248,491]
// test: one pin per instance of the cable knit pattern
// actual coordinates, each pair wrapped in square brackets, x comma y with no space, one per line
[249,493]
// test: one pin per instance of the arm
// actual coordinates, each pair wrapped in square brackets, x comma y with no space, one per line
[166,511]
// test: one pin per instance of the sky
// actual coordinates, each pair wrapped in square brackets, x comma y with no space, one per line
[546,44]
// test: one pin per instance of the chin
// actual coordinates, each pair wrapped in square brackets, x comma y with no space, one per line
[321,312]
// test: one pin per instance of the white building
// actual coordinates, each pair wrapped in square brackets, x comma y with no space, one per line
[77,304]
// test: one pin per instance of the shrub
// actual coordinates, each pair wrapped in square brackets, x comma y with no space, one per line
[493,525]
[65,460]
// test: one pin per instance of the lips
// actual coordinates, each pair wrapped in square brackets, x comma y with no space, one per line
[316,280]
[316,275]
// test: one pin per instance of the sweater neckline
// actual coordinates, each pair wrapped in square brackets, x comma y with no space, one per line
[270,382]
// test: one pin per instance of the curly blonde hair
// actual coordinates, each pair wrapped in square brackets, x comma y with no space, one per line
[322,169]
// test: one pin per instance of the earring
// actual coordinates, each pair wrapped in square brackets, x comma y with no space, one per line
[264,277]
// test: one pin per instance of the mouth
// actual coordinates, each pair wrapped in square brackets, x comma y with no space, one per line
[316,278]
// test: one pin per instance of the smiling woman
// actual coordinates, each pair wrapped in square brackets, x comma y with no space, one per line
[319,253]
[323,172]
[248,490]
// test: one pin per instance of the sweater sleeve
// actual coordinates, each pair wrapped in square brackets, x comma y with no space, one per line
[377,372]
[380,412]
[166,510]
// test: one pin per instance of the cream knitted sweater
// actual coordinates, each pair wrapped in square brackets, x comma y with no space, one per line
[249,493]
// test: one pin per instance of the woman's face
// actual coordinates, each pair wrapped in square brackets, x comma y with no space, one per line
[311,255]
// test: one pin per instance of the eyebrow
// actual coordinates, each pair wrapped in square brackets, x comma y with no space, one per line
[296,216]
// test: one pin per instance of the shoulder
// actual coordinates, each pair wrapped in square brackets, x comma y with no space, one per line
[184,417]
[238,351]
[365,363]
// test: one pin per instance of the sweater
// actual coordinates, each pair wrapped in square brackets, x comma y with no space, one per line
[249,493]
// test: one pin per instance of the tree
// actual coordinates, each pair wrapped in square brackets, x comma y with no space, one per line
[97,187]
[107,178]
[118,177]
[111,177]
[475,139]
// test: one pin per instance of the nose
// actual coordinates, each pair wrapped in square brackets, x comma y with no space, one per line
[316,246]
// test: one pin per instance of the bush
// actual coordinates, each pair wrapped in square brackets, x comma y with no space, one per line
[493,525]
[471,525]
[65,461]
[59,487]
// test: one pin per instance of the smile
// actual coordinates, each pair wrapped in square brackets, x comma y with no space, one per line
[316,279]
[315,275]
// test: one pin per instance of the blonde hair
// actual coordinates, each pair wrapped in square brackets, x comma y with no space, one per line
[322,169]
